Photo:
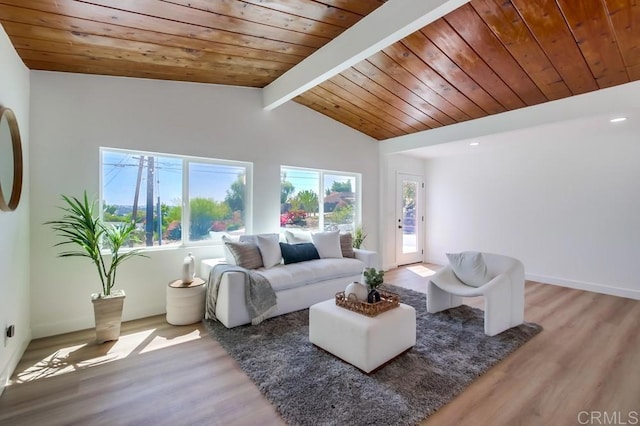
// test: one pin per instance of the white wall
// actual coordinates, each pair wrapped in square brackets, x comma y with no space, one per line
[14,226]
[392,164]
[564,198]
[73,115]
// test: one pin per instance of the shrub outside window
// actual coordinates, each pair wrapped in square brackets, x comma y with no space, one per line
[317,200]
[167,194]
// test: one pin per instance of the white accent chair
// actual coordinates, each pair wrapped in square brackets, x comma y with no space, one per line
[503,294]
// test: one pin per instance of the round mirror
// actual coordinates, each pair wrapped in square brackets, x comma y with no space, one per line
[10,161]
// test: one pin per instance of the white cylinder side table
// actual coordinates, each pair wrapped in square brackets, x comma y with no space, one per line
[185,302]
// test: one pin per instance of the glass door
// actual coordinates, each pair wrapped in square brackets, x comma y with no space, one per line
[409,219]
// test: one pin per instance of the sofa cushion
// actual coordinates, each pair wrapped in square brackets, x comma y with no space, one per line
[297,237]
[346,245]
[294,253]
[327,244]
[228,256]
[245,254]
[269,247]
[284,277]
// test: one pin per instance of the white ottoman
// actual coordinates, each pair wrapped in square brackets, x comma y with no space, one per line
[185,302]
[366,342]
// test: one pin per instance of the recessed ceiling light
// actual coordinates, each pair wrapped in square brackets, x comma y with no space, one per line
[474,144]
[617,119]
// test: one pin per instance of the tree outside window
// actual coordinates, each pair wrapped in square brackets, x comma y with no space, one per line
[318,200]
[149,189]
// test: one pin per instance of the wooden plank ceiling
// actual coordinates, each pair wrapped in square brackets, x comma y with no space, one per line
[487,57]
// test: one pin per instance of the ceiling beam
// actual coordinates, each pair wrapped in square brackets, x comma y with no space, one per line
[384,26]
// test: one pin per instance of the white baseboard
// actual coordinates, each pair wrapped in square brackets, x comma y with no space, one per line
[581,285]
[83,323]
[436,261]
[5,375]
[61,327]
[389,266]
[578,285]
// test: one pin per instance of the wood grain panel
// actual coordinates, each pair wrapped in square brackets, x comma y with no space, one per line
[486,57]
[146,53]
[377,105]
[182,14]
[91,19]
[466,22]
[102,68]
[337,96]
[224,74]
[260,15]
[430,54]
[378,113]
[362,7]
[624,16]
[385,93]
[312,100]
[312,10]
[119,37]
[590,27]
[456,105]
[385,73]
[634,72]
[458,51]
[546,23]
[381,68]
[142,60]
[505,22]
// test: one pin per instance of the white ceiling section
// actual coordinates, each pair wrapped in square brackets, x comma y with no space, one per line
[386,25]
[594,107]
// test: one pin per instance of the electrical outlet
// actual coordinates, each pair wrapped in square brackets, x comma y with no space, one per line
[9,332]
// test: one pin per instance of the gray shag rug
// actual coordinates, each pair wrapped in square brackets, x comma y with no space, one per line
[309,386]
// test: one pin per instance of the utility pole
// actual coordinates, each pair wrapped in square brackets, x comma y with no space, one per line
[149,220]
[159,213]
[134,213]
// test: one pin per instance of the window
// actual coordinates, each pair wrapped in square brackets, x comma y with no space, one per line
[168,194]
[319,200]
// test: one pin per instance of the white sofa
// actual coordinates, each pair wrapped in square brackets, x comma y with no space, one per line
[297,285]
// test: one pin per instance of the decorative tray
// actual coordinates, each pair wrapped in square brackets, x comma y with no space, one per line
[387,301]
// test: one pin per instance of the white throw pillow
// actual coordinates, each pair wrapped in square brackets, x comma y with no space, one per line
[297,237]
[327,244]
[469,267]
[269,246]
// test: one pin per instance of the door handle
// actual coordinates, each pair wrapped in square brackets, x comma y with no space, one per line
[399,226]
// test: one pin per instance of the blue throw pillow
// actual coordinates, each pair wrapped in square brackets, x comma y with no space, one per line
[294,253]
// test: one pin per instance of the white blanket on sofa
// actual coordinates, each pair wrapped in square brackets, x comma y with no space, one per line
[259,295]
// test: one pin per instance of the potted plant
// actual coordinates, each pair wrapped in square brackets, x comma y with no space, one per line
[80,227]
[358,237]
[373,279]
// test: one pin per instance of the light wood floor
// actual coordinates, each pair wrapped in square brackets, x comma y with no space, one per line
[586,359]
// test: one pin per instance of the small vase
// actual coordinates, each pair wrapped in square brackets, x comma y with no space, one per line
[373,296]
[358,290]
[188,269]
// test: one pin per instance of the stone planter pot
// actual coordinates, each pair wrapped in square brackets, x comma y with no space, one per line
[108,315]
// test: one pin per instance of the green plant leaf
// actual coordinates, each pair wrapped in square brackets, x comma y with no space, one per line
[80,226]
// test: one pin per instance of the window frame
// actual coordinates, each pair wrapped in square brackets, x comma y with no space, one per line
[186,160]
[357,217]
